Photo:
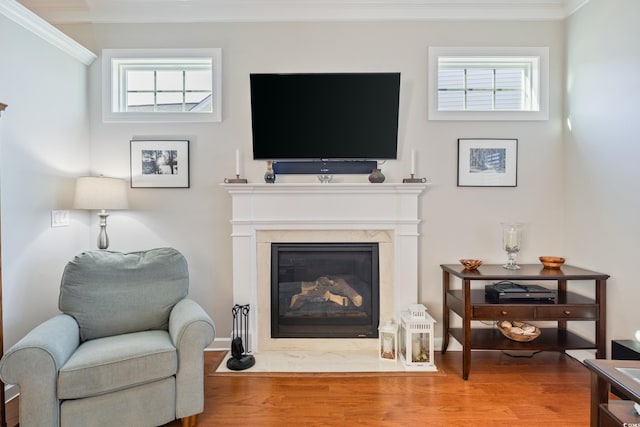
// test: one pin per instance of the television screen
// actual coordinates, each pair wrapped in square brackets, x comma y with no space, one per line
[340,116]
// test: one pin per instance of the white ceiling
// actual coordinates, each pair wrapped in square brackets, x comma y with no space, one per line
[103,11]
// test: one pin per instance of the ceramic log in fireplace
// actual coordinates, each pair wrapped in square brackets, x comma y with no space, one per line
[324,290]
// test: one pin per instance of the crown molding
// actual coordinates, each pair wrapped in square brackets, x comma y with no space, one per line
[41,28]
[165,11]
[573,6]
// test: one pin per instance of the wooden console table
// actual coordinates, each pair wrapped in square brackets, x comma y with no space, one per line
[605,412]
[471,304]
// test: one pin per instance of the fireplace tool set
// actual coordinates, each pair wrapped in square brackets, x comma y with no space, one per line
[240,360]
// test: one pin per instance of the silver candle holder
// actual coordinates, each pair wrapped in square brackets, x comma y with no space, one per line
[511,241]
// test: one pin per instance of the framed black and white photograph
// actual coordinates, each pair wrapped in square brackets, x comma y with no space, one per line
[159,164]
[484,162]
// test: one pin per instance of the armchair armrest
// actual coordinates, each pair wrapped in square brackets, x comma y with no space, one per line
[33,364]
[190,325]
[191,330]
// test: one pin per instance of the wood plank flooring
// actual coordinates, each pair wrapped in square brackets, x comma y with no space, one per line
[549,389]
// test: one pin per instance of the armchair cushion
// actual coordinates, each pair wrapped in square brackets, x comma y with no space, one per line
[114,363]
[112,293]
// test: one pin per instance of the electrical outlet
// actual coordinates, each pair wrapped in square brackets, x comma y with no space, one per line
[59,218]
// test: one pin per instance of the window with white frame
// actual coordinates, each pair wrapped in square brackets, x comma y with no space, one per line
[488,83]
[161,85]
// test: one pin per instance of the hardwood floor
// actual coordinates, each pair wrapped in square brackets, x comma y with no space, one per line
[548,389]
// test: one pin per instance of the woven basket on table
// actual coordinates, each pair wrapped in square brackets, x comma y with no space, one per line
[514,334]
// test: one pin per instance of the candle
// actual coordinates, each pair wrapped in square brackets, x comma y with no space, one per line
[415,349]
[387,344]
[237,162]
[413,161]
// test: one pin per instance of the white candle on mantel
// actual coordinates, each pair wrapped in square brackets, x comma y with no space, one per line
[413,161]
[237,162]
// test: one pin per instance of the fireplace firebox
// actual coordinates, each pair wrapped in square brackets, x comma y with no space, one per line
[324,290]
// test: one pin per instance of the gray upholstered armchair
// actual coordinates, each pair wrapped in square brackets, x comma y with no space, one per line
[127,349]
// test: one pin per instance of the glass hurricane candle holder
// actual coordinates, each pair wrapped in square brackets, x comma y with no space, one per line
[511,240]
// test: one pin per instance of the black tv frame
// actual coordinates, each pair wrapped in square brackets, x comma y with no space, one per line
[346,163]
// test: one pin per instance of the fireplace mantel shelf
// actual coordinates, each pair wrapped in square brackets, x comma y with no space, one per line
[326,188]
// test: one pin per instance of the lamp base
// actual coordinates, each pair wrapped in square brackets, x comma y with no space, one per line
[103,238]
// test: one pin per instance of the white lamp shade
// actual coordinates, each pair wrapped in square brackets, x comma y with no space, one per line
[99,192]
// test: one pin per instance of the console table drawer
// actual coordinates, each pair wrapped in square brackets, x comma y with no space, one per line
[554,312]
[504,312]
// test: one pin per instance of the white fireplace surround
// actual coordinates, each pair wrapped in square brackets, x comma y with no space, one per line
[308,212]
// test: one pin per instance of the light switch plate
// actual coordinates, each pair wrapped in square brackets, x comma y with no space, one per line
[59,218]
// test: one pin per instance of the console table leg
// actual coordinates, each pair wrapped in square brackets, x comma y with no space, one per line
[599,394]
[466,325]
[445,312]
[601,321]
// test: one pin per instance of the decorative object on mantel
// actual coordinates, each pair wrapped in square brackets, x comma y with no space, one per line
[237,179]
[325,179]
[511,241]
[388,341]
[412,178]
[269,175]
[416,338]
[518,331]
[471,264]
[552,262]
[376,176]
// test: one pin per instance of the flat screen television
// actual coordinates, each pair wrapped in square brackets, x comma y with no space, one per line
[325,116]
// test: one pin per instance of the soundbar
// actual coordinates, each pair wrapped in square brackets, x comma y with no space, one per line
[322,167]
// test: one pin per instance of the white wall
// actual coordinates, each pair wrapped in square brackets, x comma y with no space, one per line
[458,222]
[43,146]
[602,152]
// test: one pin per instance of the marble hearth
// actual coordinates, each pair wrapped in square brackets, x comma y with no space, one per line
[263,214]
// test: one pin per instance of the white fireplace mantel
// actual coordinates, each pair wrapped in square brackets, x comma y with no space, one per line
[324,208]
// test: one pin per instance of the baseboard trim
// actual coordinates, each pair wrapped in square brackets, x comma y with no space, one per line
[220,343]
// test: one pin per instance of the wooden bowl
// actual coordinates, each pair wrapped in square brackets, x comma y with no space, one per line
[552,262]
[471,264]
[518,331]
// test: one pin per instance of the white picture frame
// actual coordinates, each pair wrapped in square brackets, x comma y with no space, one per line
[486,162]
[160,164]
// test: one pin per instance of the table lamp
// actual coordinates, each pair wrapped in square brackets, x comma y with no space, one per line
[100,193]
